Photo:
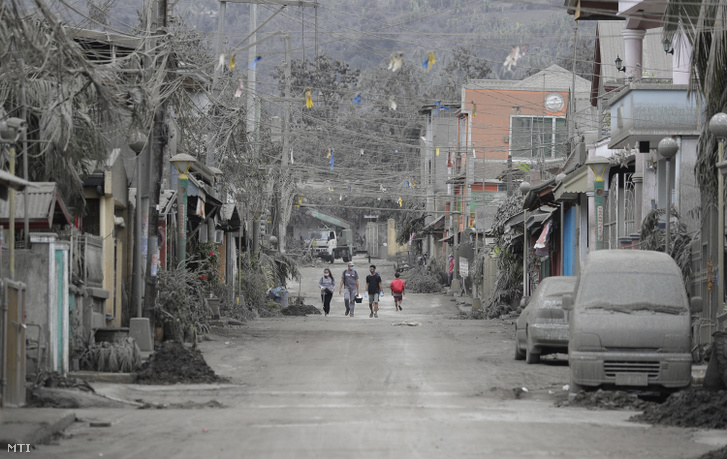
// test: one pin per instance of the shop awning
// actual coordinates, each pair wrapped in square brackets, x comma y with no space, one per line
[574,184]
[435,226]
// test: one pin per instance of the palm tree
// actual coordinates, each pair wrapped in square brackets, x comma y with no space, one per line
[703,24]
[66,97]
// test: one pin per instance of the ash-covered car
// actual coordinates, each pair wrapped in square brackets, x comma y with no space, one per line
[542,327]
[630,322]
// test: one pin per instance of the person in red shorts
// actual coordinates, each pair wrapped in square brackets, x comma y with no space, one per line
[397,287]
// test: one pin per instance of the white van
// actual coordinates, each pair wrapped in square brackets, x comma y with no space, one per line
[630,322]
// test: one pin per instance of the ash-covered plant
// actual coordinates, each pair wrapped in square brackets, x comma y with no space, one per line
[421,280]
[680,241]
[181,306]
[509,262]
[123,356]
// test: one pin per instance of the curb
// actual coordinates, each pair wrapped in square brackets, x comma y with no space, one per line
[97,376]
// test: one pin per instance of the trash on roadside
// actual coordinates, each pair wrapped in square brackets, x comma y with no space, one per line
[408,324]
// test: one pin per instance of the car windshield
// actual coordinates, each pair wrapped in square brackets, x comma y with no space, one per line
[552,295]
[317,235]
[633,291]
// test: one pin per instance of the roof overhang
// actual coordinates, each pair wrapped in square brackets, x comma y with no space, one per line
[45,207]
[436,225]
[583,10]
[572,185]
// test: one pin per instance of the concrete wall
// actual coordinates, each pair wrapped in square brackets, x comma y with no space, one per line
[47,302]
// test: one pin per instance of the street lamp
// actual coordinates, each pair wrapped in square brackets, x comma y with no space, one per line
[598,165]
[182,162]
[524,189]
[137,141]
[718,127]
[667,149]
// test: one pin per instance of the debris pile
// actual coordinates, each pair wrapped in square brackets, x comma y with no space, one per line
[172,363]
[474,314]
[716,454]
[421,280]
[693,407]
[608,400]
[300,310]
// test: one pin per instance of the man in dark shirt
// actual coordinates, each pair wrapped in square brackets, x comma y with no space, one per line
[373,287]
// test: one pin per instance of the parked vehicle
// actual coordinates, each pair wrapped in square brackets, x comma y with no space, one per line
[330,243]
[630,322]
[542,327]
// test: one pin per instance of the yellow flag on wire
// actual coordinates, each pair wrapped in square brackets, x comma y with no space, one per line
[429,63]
[232,63]
[400,202]
[437,150]
[308,100]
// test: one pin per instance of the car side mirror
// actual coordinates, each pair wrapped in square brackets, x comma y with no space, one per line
[695,305]
[567,302]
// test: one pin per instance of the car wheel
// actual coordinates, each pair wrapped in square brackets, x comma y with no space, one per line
[530,356]
[519,354]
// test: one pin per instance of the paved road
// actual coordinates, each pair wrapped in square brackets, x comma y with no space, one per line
[338,387]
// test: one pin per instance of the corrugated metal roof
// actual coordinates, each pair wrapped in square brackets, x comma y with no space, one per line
[45,207]
[554,78]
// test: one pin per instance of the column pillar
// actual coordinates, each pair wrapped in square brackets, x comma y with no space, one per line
[633,52]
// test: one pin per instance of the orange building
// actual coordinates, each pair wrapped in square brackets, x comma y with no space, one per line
[524,119]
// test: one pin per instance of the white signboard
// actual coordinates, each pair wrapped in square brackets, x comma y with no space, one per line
[464,267]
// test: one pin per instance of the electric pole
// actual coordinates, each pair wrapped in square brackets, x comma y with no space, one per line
[157,143]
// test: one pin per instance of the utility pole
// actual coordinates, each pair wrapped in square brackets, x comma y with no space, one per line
[251,75]
[157,143]
[286,146]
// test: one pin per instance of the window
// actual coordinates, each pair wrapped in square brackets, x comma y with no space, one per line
[537,136]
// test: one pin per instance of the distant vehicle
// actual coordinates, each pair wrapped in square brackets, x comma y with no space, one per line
[630,322]
[542,327]
[330,243]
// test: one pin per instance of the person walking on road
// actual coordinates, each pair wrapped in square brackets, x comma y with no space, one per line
[327,285]
[349,280]
[397,288]
[373,288]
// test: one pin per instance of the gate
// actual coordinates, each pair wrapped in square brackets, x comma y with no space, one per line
[12,308]
[372,239]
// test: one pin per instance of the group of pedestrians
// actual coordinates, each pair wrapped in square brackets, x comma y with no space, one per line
[349,286]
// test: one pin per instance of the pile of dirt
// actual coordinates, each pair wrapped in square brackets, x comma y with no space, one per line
[173,363]
[716,454]
[300,310]
[693,407]
[607,400]
[474,314]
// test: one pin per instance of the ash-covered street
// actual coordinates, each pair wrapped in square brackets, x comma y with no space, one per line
[439,386]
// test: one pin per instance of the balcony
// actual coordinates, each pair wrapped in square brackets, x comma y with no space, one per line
[651,110]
